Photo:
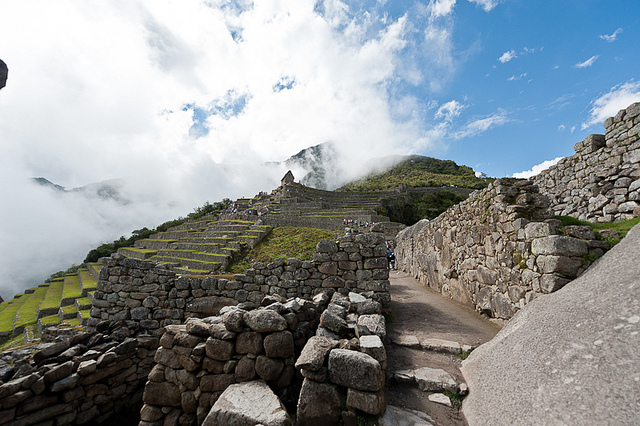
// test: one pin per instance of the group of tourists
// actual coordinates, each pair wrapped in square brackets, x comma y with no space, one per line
[355,222]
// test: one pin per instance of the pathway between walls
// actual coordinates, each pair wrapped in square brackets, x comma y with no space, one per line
[425,336]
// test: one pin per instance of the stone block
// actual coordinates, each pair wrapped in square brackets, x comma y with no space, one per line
[221,350]
[370,402]
[314,353]
[268,368]
[434,380]
[265,321]
[559,245]
[249,343]
[550,283]
[164,393]
[319,404]
[279,344]
[372,324]
[355,370]
[372,346]
[249,403]
[558,264]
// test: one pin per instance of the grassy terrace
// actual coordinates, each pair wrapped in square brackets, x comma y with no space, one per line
[89,282]
[9,310]
[28,312]
[50,320]
[71,289]
[53,297]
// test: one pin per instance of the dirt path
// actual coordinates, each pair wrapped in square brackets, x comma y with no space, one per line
[425,314]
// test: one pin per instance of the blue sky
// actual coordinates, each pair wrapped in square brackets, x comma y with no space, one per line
[186,100]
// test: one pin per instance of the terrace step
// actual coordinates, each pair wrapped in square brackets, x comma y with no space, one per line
[195,225]
[28,312]
[83,303]
[175,235]
[88,282]
[67,312]
[202,247]
[51,302]
[193,255]
[71,290]
[188,263]
[154,244]
[94,268]
[137,253]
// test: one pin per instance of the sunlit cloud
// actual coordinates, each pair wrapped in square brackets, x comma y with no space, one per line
[587,63]
[611,37]
[481,125]
[608,104]
[449,110]
[507,56]
[535,170]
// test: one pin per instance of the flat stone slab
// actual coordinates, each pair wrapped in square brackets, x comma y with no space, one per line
[440,345]
[407,341]
[570,357]
[248,403]
[396,416]
[440,398]
[434,380]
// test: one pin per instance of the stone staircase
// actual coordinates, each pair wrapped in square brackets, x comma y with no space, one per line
[199,247]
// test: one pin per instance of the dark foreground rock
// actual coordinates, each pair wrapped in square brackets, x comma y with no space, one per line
[567,358]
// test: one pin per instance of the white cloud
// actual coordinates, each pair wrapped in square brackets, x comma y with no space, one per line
[449,110]
[185,100]
[587,63]
[481,125]
[611,37]
[608,104]
[441,7]
[487,5]
[537,169]
[517,77]
[507,56]
[561,127]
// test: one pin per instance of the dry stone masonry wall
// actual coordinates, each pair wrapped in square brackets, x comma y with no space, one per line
[152,296]
[601,181]
[206,365]
[497,249]
[84,378]
[500,247]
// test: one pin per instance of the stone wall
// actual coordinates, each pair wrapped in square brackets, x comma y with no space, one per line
[151,296]
[497,249]
[601,181]
[198,361]
[82,378]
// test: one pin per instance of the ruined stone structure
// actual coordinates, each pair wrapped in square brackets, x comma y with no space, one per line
[601,181]
[153,296]
[84,378]
[497,249]
[500,247]
[88,377]
[199,362]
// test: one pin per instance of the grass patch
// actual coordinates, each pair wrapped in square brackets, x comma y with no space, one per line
[464,355]
[69,309]
[53,297]
[285,241]
[455,397]
[50,320]
[71,288]
[14,342]
[8,314]
[620,227]
[28,313]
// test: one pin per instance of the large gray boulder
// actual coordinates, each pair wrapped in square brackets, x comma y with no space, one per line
[570,357]
[248,404]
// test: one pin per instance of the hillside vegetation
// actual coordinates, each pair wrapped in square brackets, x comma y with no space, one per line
[420,171]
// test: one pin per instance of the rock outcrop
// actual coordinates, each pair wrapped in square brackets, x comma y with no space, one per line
[567,358]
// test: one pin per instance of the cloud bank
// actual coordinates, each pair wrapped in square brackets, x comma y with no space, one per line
[536,169]
[608,104]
